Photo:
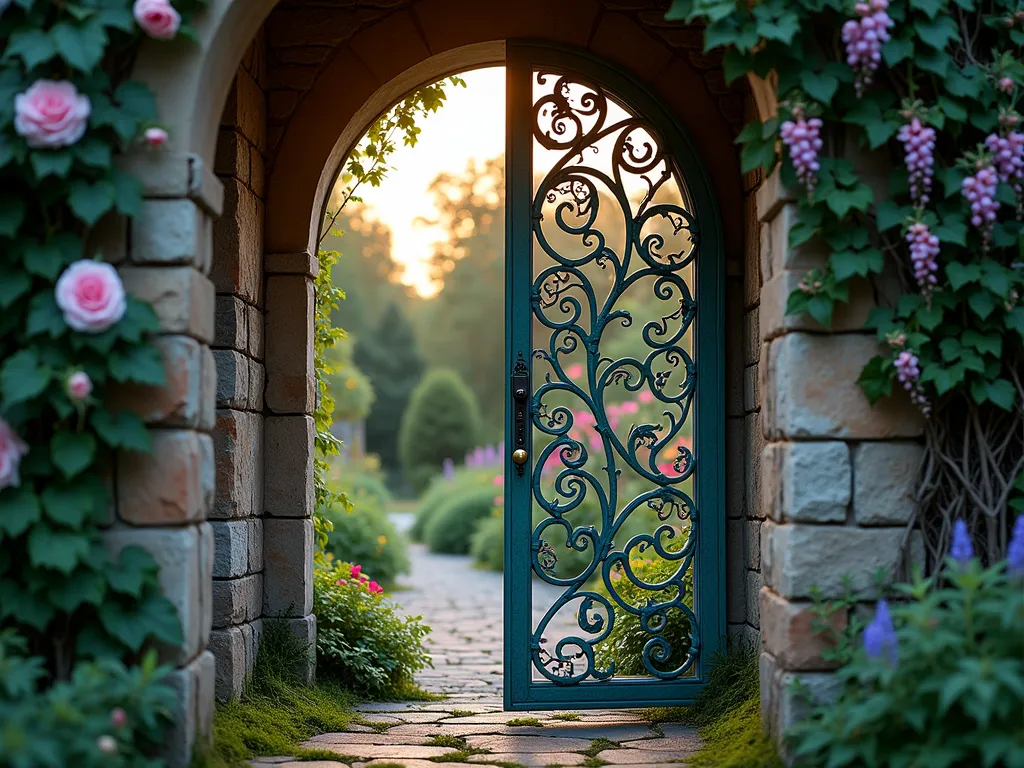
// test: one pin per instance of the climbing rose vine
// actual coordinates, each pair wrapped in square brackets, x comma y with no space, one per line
[899,133]
[72,611]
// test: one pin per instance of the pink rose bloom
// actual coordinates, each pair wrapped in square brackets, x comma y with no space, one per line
[12,448]
[356,570]
[156,137]
[91,296]
[498,479]
[1006,84]
[157,18]
[118,717]
[79,386]
[574,371]
[375,588]
[51,114]
[646,396]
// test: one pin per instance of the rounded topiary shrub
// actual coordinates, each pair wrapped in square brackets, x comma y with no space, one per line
[487,544]
[451,527]
[367,537]
[441,422]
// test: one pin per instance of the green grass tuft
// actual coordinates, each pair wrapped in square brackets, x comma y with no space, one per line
[594,762]
[567,716]
[445,740]
[462,713]
[599,745]
[277,712]
[533,722]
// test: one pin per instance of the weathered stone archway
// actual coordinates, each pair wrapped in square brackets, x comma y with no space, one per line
[225,248]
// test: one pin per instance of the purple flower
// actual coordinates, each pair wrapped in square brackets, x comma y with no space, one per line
[1015,553]
[961,549]
[880,635]
[449,469]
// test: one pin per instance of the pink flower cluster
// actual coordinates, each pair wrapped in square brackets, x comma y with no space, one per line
[908,372]
[802,138]
[359,580]
[486,456]
[864,38]
[1008,157]
[918,155]
[924,249]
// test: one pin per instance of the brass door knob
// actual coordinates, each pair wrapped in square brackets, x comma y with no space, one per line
[519,456]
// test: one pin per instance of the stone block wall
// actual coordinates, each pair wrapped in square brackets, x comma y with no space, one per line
[238,351]
[162,499]
[836,476]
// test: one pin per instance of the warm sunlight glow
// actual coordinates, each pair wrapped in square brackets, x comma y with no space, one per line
[470,125]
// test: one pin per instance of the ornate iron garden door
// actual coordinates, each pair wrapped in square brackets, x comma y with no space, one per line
[614,545]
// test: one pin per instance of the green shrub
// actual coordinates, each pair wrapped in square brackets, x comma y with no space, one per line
[451,527]
[367,536]
[441,490]
[487,544]
[938,680]
[442,421]
[625,644]
[106,714]
[362,641]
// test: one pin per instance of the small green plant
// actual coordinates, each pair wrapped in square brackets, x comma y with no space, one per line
[446,740]
[487,544]
[937,678]
[105,714]
[462,713]
[363,641]
[450,528]
[599,745]
[532,722]
[567,716]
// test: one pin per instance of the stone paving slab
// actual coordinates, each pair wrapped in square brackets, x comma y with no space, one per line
[463,606]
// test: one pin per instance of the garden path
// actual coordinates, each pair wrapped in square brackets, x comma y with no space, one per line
[463,606]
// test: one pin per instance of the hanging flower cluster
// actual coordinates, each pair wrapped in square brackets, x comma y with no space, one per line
[864,38]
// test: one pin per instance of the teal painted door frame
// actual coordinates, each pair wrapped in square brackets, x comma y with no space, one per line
[522,690]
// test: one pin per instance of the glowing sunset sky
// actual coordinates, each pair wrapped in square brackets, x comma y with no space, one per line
[471,124]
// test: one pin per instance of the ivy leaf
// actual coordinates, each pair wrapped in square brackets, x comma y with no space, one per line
[44,259]
[961,274]
[87,587]
[72,452]
[952,231]
[118,18]
[142,365]
[997,279]
[981,303]
[122,430]
[876,379]
[1015,321]
[15,600]
[842,201]
[134,624]
[59,550]
[20,510]
[70,505]
[889,214]
[127,194]
[846,264]
[989,343]
[1001,392]
[13,285]
[819,85]
[757,154]
[22,377]
[32,46]
[736,64]
[820,308]
[930,316]
[129,575]
[952,178]
[44,316]
[896,50]
[937,32]
[90,201]
[93,152]
[929,7]
[82,46]
[51,163]
[952,109]
[12,213]
[935,61]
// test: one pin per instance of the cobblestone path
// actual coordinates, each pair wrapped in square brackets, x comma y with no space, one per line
[463,606]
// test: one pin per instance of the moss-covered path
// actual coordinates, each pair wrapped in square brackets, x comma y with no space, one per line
[463,606]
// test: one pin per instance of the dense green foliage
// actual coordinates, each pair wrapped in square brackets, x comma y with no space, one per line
[487,544]
[105,714]
[364,533]
[625,643]
[64,597]
[277,712]
[451,527]
[363,641]
[950,694]
[389,356]
[441,422]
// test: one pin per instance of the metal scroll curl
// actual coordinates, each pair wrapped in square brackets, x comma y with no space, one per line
[610,166]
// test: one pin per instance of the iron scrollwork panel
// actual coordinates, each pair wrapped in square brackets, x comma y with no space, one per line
[616,526]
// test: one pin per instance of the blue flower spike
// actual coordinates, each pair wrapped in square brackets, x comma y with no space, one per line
[961,550]
[1015,552]
[880,635]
